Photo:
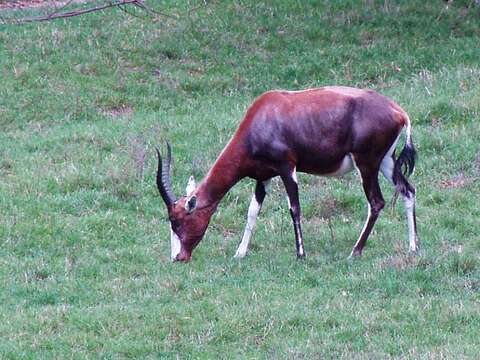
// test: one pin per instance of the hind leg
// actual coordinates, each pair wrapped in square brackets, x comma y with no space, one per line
[291,186]
[408,194]
[376,203]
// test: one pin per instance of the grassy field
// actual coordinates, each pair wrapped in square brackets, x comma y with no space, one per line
[84,238]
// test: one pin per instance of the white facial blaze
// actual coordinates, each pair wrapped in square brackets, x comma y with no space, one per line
[175,244]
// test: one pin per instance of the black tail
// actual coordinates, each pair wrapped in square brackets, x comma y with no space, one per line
[404,166]
[405,163]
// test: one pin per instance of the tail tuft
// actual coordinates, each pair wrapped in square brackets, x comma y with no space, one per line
[404,167]
[405,163]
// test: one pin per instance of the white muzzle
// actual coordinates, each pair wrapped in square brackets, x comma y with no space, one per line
[175,244]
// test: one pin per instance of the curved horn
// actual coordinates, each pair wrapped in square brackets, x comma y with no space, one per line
[163,178]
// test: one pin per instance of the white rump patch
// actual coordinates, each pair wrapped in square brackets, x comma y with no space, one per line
[387,165]
[175,244]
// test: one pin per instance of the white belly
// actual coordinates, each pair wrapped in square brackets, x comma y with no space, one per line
[345,167]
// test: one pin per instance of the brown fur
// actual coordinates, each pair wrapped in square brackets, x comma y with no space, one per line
[311,131]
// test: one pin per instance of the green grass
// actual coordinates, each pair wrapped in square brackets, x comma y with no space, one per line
[84,239]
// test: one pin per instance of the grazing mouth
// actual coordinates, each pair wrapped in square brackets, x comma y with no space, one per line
[183,257]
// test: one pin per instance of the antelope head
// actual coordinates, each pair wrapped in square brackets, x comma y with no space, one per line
[187,222]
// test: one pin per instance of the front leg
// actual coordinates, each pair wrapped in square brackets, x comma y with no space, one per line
[253,211]
[291,185]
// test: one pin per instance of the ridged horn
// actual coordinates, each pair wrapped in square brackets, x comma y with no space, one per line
[163,178]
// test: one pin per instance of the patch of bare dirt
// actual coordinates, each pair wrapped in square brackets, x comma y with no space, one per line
[457,181]
[122,110]
[402,262]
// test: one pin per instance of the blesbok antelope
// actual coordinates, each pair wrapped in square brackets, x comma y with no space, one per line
[326,131]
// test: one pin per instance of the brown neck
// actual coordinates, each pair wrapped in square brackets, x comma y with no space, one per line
[225,173]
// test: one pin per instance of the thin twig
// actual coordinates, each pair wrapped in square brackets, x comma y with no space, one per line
[124,9]
[121,4]
[155,12]
[59,15]
[57,9]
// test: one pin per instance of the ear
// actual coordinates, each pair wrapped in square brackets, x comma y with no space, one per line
[191,203]
[190,186]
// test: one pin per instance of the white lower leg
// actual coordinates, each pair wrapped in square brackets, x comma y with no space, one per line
[369,214]
[253,211]
[410,210]
[301,250]
[298,234]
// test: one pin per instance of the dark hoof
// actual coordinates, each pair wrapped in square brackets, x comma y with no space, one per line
[301,256]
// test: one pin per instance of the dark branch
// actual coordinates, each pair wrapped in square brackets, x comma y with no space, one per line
[154,12]
[58,15]
[58,12]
